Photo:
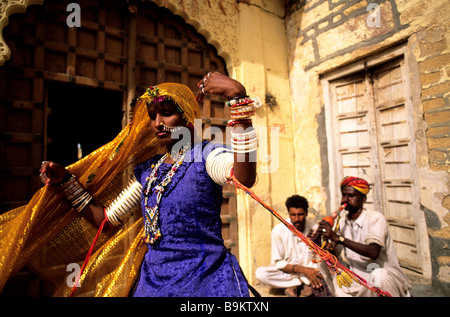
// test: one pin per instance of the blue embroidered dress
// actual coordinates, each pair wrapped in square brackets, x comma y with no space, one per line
[190,259]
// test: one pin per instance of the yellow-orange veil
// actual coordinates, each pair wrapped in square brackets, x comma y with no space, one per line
[48,235]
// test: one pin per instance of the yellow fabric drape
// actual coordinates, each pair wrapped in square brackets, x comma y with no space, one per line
[47,234]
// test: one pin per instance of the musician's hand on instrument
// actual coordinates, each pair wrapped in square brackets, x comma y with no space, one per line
[314,235]
[326,231]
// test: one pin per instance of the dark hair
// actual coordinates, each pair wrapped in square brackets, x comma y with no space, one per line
[297,201]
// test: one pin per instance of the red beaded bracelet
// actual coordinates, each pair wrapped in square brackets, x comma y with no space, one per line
[237,121]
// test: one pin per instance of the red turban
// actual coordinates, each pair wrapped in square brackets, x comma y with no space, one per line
[357,183]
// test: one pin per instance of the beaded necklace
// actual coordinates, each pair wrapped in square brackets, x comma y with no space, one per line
[151,226]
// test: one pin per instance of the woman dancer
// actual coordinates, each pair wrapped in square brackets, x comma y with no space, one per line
[180,193]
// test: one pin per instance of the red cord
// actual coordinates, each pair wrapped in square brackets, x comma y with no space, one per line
[88,256]
[330,259]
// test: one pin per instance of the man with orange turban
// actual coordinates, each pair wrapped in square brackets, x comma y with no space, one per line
[363,236]
[357,183]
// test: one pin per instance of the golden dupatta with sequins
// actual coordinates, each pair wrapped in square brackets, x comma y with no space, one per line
[48,235]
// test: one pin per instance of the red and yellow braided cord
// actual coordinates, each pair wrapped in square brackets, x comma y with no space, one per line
[330,260]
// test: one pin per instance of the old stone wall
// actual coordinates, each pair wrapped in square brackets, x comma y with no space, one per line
[325,35]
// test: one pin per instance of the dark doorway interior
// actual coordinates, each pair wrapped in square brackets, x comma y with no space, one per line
[90,117]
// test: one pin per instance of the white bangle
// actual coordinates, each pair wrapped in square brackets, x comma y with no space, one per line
[244,146]
[243,136]
[83,204]
[233,102]
[246,142]
[121,209]
[243,109]
[244,151]
[218,165]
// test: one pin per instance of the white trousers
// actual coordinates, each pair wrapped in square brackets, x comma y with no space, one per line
[273,277]
[385,279]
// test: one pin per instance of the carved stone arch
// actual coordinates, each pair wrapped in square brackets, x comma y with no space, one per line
[199,18]
[212,19]
[8,8]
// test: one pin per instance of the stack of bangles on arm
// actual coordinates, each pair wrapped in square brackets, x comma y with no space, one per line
[121,209]
[78,197]
[118,211]
[241,111]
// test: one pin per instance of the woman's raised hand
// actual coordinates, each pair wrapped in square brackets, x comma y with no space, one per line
[218,84]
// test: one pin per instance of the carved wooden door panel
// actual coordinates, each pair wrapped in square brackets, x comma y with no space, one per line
[372,120]
[22,112]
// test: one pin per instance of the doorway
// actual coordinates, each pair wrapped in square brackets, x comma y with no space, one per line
[80,120]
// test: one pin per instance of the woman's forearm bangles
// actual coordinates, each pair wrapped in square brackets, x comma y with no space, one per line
[78,197]
[244,142]
[121,209]
[118,211]
[219,164]
[241,111]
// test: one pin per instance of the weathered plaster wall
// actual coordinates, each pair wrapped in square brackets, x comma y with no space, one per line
[326,35]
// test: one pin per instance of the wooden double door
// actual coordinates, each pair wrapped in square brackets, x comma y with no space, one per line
[67,90]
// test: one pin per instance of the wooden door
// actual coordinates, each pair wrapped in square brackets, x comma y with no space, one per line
[114,53]
[22,113]
[46,51]
[374,139]
[397,164]
[356,150]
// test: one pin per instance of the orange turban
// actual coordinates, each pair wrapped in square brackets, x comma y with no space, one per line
[357,183]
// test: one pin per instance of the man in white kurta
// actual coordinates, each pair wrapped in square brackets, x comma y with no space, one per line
[364,239]
[292,263]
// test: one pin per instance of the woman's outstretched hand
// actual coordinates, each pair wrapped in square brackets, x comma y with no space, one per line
[218,84]
[52,173]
